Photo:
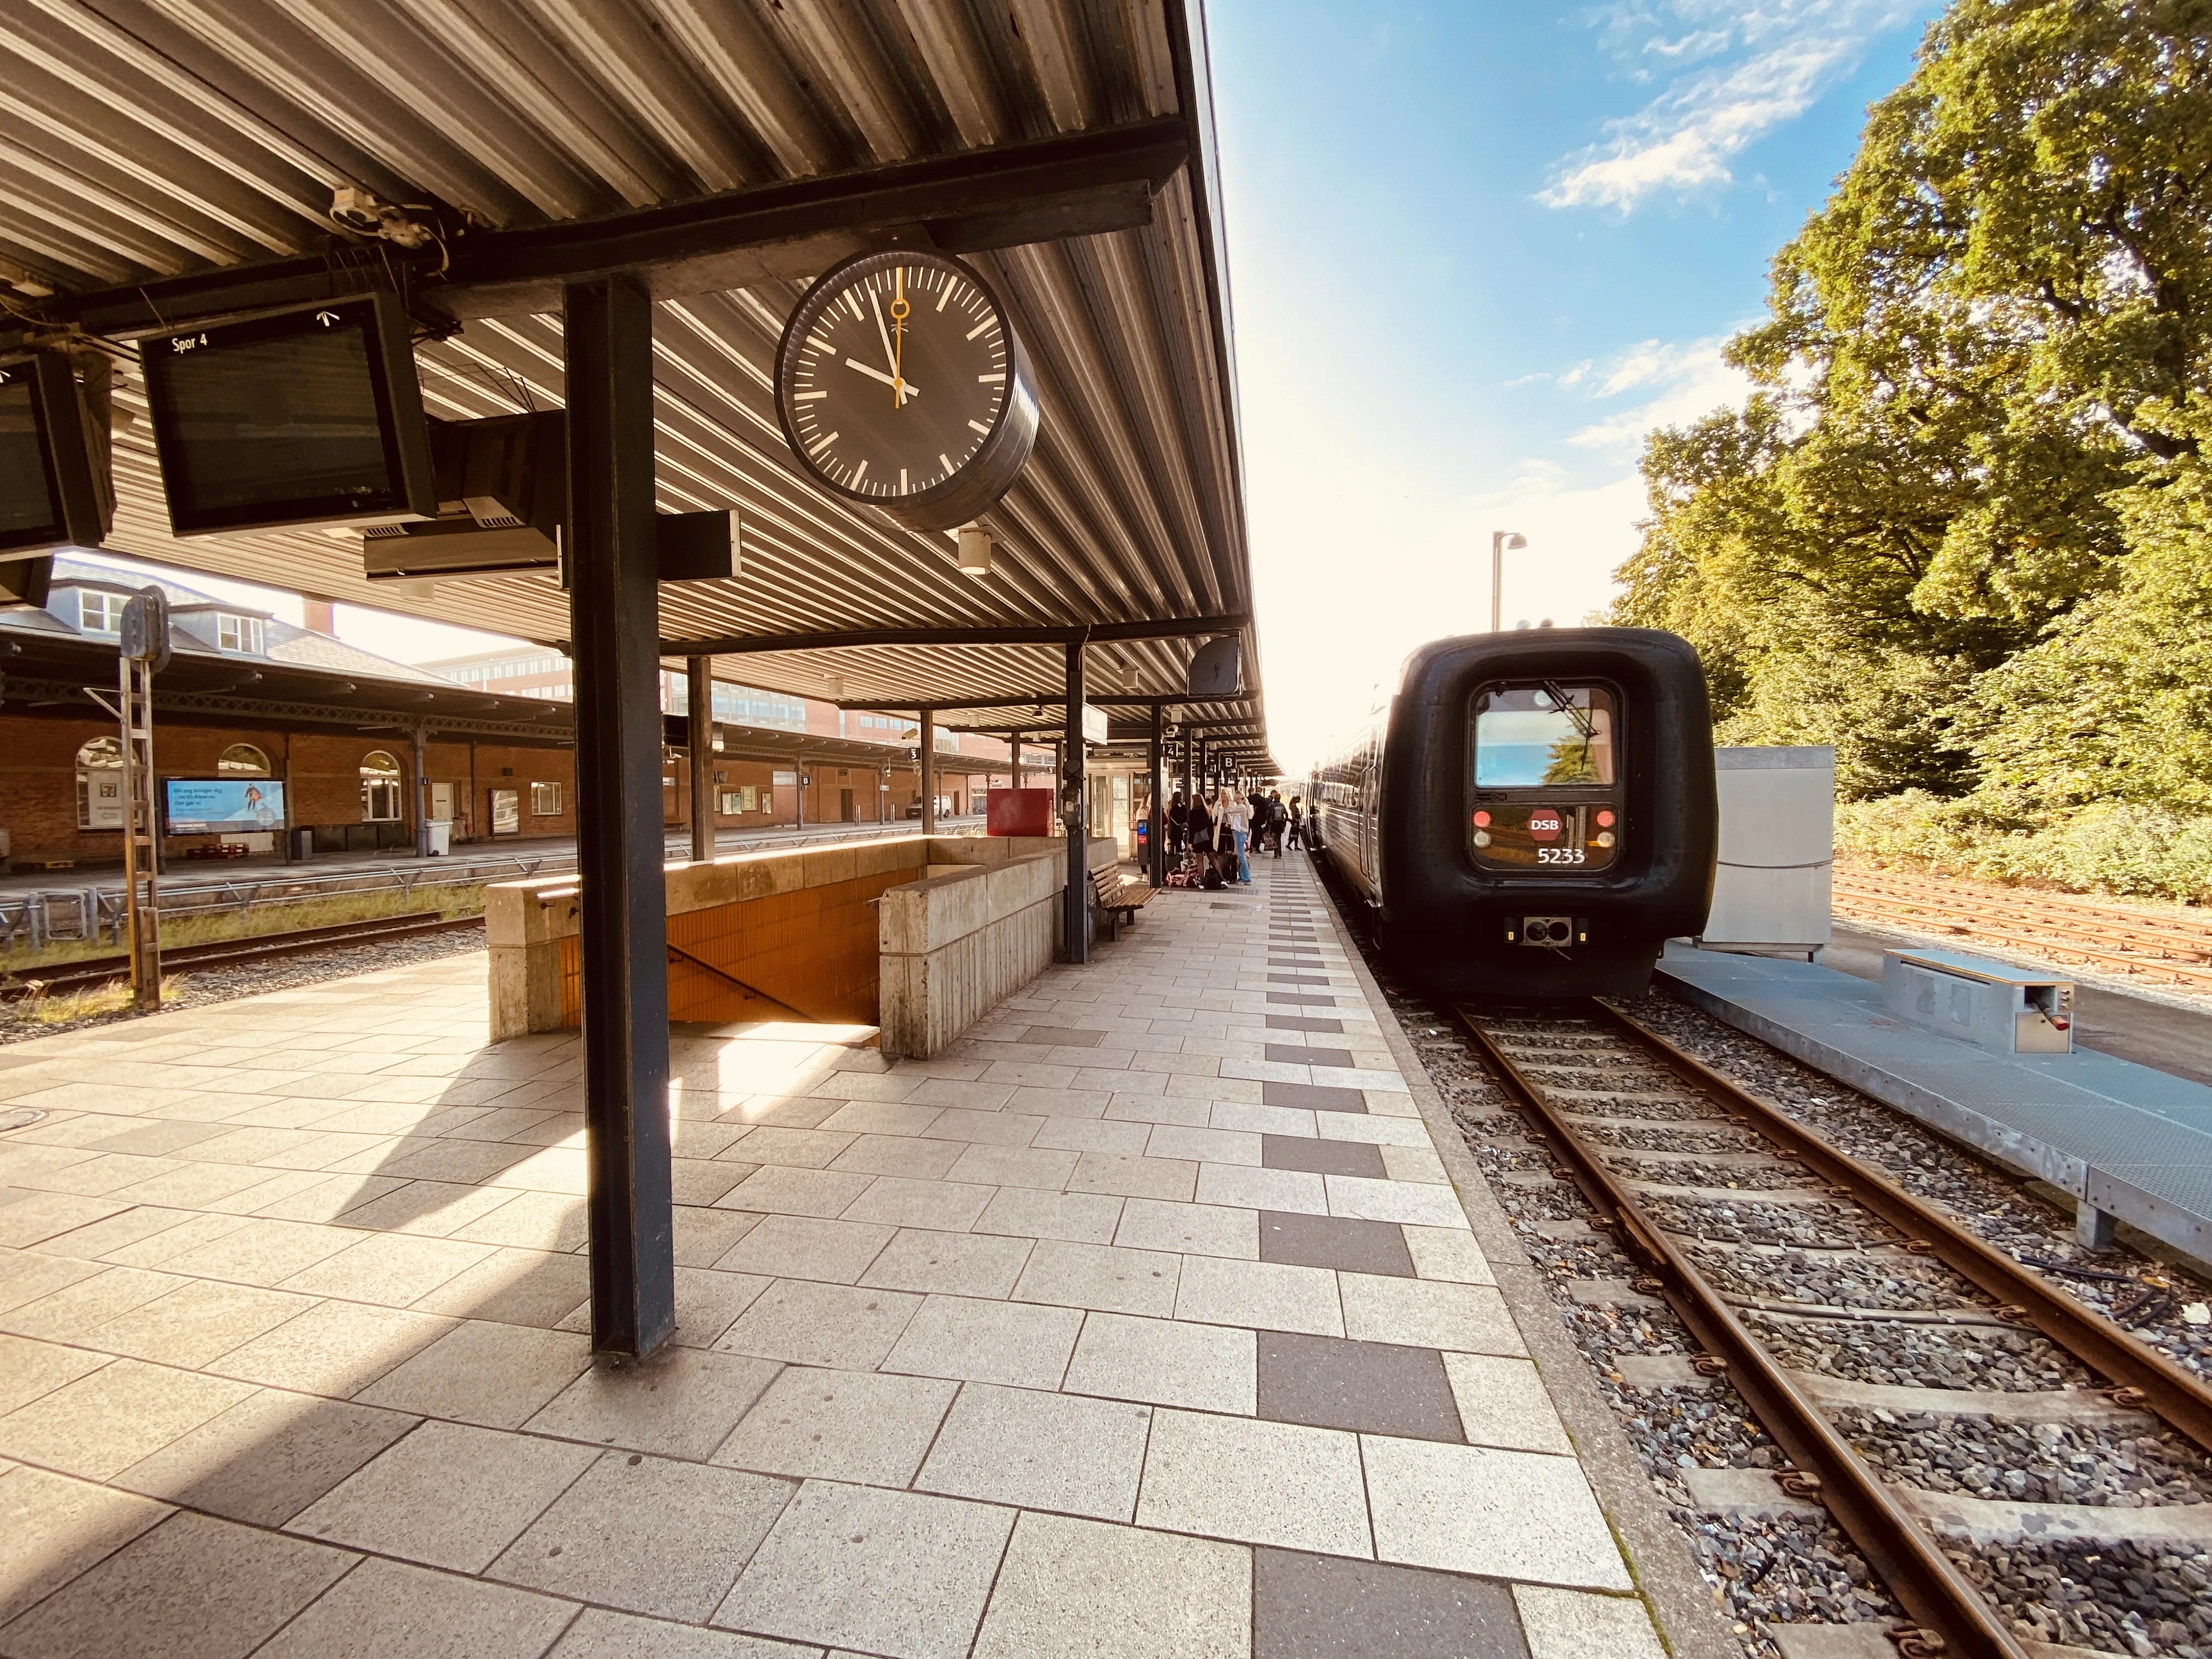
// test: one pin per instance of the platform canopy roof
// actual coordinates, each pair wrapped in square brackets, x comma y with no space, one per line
[164,161]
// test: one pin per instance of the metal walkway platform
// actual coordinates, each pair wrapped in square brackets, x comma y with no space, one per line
[2132,1144]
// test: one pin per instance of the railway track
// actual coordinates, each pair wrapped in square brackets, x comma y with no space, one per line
[1664,1147]
[92,972]
[2178,950]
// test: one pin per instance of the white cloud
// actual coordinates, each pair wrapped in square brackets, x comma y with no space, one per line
[1678,384]
[1775,59]
[1691,47]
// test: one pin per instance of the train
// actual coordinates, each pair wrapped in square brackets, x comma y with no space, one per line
[1532,814]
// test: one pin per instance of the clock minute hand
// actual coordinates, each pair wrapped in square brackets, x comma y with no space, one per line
[889,357]
[875,374]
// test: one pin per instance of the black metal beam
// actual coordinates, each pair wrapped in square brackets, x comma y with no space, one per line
[1155,821]
[1075,812]
[614,603]
[1038,700]
[23,691]
[1076,184]
[419,747]
[925,761]
[698,743]
[1094,633]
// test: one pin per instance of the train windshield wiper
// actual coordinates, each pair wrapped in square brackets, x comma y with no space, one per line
[1584,720]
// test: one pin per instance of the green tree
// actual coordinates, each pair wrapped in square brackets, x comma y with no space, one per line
[1973,414]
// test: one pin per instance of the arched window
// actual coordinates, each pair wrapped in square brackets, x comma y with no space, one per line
[380,788]
[243,760]
[99,785]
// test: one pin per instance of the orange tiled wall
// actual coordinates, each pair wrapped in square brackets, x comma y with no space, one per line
[814,951]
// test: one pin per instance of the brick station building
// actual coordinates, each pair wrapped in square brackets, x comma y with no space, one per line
[248,695]
[864,768]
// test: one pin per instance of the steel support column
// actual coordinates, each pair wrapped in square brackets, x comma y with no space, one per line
[699,737]
[420,738]
[1155,821]
[1075,810]
[928,765]
[614,604]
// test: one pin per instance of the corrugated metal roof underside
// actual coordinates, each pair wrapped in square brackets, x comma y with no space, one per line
[142,138]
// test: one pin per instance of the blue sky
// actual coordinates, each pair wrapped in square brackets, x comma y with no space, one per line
[1477,251]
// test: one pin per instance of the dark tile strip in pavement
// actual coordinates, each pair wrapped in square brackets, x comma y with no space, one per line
[1368,1387]
[1329,1240]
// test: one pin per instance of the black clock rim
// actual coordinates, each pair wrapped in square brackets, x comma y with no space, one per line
[925,509]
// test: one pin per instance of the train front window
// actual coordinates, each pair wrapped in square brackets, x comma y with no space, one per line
[1532,736]
[1547,795]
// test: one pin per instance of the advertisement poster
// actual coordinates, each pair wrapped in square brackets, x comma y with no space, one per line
[208,806]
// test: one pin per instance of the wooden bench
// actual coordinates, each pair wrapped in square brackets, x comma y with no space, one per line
[1119,900]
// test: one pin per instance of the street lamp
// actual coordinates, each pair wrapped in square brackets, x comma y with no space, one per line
[1499,541]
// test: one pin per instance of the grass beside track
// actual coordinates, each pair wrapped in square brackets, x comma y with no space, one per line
[217,927]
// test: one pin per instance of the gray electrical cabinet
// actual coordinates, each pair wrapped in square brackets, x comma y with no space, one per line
[1777,846]
[1992,1005]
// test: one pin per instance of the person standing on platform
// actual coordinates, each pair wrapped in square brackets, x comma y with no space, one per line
[1277,820]
[1178,826]
[1199,824]
[1237,817]
[1294,834]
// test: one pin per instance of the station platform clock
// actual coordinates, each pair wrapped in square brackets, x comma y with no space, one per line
[900,383]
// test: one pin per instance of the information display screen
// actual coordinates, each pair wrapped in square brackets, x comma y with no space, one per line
[305,418]
[53,491]
[209,807]
[27,513]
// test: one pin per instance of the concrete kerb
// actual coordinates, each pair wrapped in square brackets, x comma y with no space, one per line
[1659,1558]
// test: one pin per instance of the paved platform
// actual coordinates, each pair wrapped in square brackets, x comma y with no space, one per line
[1146,1323]
[2132,1144]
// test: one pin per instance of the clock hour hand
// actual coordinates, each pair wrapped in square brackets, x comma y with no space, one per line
[874,373]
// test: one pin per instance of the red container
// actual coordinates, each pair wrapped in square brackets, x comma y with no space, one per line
[1017,811]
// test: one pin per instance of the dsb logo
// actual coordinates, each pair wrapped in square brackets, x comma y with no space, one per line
[1545,823]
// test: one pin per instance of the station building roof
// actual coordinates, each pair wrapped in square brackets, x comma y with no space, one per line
[284,674]
[162,162]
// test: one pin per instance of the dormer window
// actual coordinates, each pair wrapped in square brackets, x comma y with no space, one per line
[99,613]
[241,634]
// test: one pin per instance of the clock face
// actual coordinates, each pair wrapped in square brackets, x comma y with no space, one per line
[900,384]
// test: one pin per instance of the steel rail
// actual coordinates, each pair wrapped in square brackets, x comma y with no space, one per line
[2063,930]
[1955,1619]
[2015,900]
[223,953]
[2104,926]
[2100,928]
[2051,943]
[2147,1377]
